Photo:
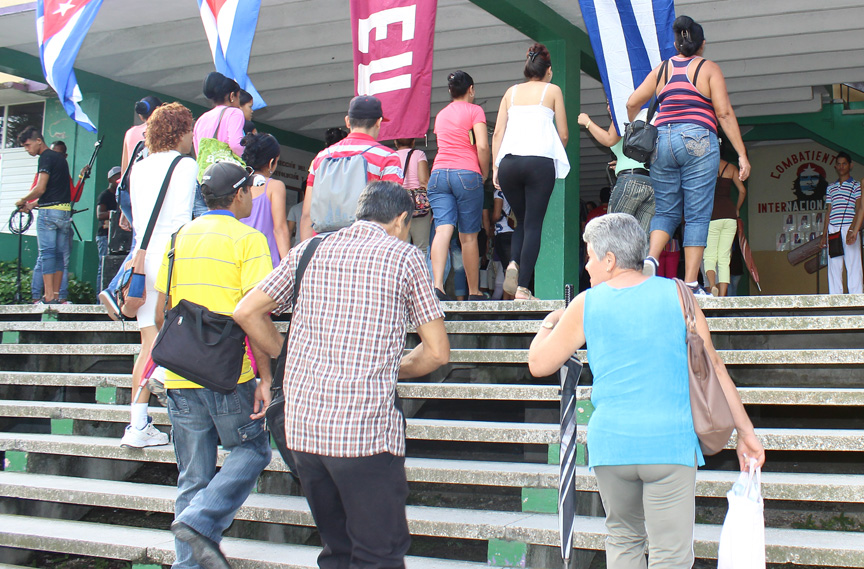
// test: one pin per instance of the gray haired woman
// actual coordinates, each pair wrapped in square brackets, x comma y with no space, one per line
[641,442]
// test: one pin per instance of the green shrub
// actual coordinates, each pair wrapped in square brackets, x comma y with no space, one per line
[80,292]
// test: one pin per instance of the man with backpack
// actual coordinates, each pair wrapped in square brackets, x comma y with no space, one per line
[336,176]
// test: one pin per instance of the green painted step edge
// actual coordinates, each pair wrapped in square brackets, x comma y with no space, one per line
[61,426]
[16,461]
[540,500]
[507,553]
[49,317]
[584,410]
[148,566]
[554,454]
[106,395]
[10,337]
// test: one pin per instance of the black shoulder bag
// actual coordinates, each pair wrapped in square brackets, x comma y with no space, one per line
[136,156]
[640,137]
[274,417]
[198,344]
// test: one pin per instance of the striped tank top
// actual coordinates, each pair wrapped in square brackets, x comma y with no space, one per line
[681,102]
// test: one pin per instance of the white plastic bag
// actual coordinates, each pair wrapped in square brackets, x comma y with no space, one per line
[742,540]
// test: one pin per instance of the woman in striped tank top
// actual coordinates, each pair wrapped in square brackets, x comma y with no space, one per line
[693,100]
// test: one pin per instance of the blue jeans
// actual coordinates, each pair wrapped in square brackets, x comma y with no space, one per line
[456,197]
[199,208]
[37,285]
[54,233]
[102,247]
[207,500]
[683,174]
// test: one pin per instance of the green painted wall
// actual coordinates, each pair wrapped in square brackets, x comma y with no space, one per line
[110,105]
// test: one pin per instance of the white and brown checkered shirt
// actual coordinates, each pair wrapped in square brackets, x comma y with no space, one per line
[360,292]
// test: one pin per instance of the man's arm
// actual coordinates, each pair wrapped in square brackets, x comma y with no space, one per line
[305,229]
[852,235]
[36,192]
[253,315]
[432,352]
[262,392]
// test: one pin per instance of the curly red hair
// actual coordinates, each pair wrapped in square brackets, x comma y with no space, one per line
[166,126]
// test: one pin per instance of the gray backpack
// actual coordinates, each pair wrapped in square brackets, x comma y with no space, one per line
[337,187]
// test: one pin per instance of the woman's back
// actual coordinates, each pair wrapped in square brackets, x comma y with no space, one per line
[453,130]
[530,129]
[261,219]
[680,100]
[226,122]
[637,351]
[145,182]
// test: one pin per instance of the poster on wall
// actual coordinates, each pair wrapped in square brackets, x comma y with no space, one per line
[787,190]
[786,205]
[292,170]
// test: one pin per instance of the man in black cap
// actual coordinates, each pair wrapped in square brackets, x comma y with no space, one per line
[217,259]
[364,121]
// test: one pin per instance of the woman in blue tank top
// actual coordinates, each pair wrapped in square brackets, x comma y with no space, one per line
[641,442]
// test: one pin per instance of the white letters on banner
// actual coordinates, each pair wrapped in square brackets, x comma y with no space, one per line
[407,16]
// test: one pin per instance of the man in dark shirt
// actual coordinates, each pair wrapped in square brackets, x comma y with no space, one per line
[54,226]
[104,206]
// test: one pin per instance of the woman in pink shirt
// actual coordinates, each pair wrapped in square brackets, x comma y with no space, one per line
[225,119]
[144,108]
[456,183]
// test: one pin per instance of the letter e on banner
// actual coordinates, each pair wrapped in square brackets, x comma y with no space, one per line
[393,48]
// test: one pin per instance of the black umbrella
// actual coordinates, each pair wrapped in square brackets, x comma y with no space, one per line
[569,373]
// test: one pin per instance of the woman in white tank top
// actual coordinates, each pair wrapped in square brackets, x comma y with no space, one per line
[528,155]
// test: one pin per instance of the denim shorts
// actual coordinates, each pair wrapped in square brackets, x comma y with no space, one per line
[683,174]
[456,197]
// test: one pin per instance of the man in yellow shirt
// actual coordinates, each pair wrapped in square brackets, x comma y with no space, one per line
[217,259]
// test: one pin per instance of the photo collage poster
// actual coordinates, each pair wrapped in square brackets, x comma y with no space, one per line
[799,228]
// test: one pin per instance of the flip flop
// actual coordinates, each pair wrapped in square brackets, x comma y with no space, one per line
[511,280]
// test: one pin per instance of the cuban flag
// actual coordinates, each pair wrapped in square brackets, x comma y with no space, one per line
[230,27]
[630,38]
[60,28]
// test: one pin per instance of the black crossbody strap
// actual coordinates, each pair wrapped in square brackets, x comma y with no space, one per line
[124,179]
[170,271]
[407,161]
[301,267]
[157,207]
[653,108]
[219,122]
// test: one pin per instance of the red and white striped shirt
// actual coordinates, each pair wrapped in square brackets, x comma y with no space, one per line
[360,292]
[382,163]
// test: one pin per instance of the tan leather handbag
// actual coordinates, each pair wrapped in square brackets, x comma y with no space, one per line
[712,418]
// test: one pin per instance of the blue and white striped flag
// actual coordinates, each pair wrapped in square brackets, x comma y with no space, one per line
[630,38]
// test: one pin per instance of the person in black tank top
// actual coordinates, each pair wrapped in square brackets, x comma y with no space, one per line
[722,229]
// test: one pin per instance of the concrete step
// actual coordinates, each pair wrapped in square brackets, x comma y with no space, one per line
[736,303]
[481,356]
[743,324]
[805,547]
[796,486]
[481,391]
[451,430]
[140,545]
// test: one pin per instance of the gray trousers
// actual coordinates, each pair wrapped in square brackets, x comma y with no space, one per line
[652,503]
[633,194]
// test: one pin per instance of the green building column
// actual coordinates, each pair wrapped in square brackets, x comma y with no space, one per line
[571,53]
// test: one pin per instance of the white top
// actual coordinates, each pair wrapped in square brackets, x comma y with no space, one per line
[531,132]
[294,215]
[145,181]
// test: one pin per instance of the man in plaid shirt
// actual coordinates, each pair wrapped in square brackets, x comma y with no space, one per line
[363,288]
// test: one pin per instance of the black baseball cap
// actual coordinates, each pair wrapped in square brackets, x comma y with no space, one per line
[365,107]
[225,178]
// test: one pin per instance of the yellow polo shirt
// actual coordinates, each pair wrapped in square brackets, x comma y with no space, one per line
[217,260]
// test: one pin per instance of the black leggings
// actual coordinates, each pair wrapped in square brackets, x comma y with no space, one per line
[527,183]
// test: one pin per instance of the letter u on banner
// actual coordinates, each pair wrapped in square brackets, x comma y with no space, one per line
[393,47]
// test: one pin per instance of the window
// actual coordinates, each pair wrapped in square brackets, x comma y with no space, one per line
[15,118]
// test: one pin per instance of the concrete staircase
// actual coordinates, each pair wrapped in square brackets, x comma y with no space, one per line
[482,443]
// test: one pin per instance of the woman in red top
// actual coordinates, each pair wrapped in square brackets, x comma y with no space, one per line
[692,97]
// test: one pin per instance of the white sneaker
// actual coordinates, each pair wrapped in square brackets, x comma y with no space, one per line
[650,266]
[149,436]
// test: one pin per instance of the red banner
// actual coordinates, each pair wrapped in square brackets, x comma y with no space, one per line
[393,44]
